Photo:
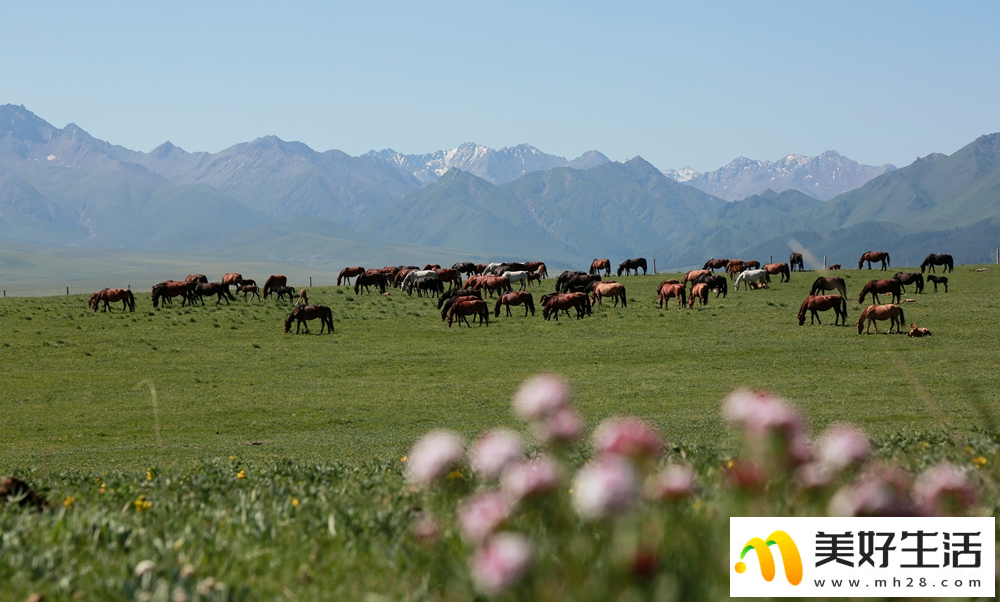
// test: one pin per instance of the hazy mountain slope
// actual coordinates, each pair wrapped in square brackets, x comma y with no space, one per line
[27,215]
[494,166]
[823,177]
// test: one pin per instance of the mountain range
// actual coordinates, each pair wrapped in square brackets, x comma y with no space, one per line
[283,201]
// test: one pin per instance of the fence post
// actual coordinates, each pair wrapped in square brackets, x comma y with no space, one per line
[67,291]
[770,258]
[310,281]
[824,262]
[998,256]
[654,266]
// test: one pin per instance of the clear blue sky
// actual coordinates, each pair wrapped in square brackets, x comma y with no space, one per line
[680,85]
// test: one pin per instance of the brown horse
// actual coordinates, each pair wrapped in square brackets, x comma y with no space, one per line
[734,267]
[874,256]
[248,290]
[233,279]
[714,264]
[303,313]
[918,332]
[777,268]
[537,267]
[449,297]
[881,287]
[600,264]
[397,281]
[207,289]
[535,277]
[273,282]
[829,284]
[451,276]
[284,291]
[608,289]
[679,291]
[345,274]
[694,275]
[565,301]
[700,292]
[817,303]
[113,295]
[468,306]
[372,277]
[835,266]
[169,289]
[753,264]
[515,298]
[389,273]
[248,282]
[938,280]
[629,265]
[894,313]
[494,283]
[795,259]
[432,266]
[196,278]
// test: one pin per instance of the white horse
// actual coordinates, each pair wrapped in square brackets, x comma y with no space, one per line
[521,277]
[491,268]
[759,276]
[411,276]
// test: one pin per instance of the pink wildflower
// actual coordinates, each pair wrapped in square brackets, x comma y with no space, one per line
[768,421]
[481,515]
[881,491]
[531,478]
[943,489]
[494,451]
[675,482]
[841,446]
[426,530]
[540,397]
[563,426]
[501,562]
[605,487]
[432,456]
[629,437]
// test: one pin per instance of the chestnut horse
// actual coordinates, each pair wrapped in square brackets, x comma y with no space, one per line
[450,275]
[894,313]
[934,259]
[816,303]
[346,274]
[601,264]
[233,279]
[698,291]
[795,259]
[515,298]
[113,295]
[449,297]
[694,275]
[494,283]
[678,291]
[835,266]
[829,284]
[537,267]
[302,313]
[196,278]
[753,264]
[466,306]
[871,256]
[564,301]
[169,289]
[608,289]
[918,332]
[273,282]
[369,278]
[777,268]
[734,267]
[877,287]
[714,264]
[248,290]
[938,280]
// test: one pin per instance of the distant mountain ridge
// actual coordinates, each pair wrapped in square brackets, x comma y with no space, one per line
[494,166]
[822,177]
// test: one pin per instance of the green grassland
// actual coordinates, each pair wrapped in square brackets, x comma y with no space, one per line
[227,376]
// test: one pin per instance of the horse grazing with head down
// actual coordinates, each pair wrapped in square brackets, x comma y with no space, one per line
[464,267]
[939,280]
[795,259]
[894,313]
[553,303]
[629,265]
[371,277]
[302,313]
[750,276]
[467,306]
[273,282]
[579,284]
[714,264]
[694,275]
[935,259]
[715,282]
[347,273]
[698,291]
[880,287]
[608,289]
[777,268]
[515,298]
[874,256]
[829,284]
[817,303]
[600,264]
[914,278]
[565,277]
[172,288]
[113,295]
[677,291]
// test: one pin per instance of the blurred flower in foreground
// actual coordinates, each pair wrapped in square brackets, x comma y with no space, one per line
[432,456]
[527,479]
[564,426]
[146,566]
[426,530]
[629,437]
[943,489]
[481,515]
[675,482]
[494,451]
[605,487]
[881,491]
[540,397]
[772,427]
[501,562]
[841,446]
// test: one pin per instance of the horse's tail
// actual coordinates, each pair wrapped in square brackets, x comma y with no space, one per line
[496,310]
[530,302]
[843,308]
[624,301]
[902,316]
[887,261]
[328,318]
[131,301]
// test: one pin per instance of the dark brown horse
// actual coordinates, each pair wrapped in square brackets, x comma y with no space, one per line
[113,295]
[698,291]
[465,267]
[715,264]
[171,288]
[450,275]
[273,282]
[449,297]
[829,284]
[537,267]
[248,290]
[565,301]
[432,266]
[817,303]
[579,284]
[346,274]
[938,280]
[795,259]
[914,278]
[753,264]
[734,267]
[515,298]
[894,313]
[207,289]
[468,306]
[715,282]
[303,313]
[600,264]
[372,277]
[233,279]
[629,265]
[248,282]
[284,291]
[678,291]
[874,256]
[196,278]
[880,287]
[835,266]
[777,268]
[565,277]
[935,259]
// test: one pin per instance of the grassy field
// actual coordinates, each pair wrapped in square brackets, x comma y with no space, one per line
[273,470]
[227,376]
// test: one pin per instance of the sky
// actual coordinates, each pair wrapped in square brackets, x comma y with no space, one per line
[679,85]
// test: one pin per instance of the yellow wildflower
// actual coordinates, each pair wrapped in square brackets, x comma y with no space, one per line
[926,445]
[68,502]
[455,474]
[403,459]
[295,502]
[729,464]
[101,490]
[241,474]
[979,462]
[149,475]
[142,504]
[231,458]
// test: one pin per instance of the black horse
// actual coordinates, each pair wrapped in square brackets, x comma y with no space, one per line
[716,282]
[917,280]
[795,259]
[566,277]
[632,264]
[429,284]
[458,292]
[578,284]
[939,280]
[935,259]
[465,267]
